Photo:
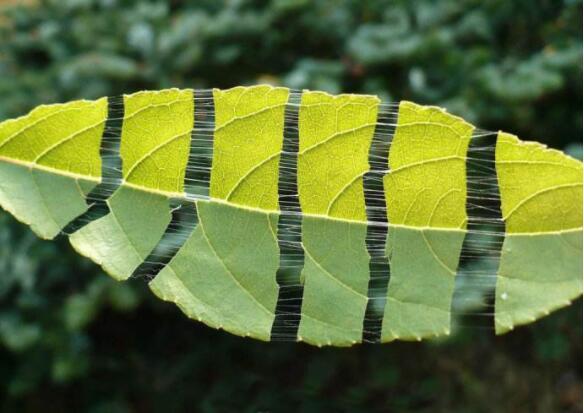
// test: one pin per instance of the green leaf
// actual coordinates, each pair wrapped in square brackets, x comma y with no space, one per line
[541,265]
[226,277]
[424,263]
[277,214]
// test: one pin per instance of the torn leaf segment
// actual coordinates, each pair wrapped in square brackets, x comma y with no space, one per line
[541,260]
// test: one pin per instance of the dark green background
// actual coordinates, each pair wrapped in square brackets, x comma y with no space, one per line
[71,339]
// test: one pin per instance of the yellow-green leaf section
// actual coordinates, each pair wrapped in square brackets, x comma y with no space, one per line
[65,137]
[335,133]
[156,138]
[426,183]
[249,128]
[541,188]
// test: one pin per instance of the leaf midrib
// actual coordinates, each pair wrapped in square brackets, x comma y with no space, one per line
[181,195]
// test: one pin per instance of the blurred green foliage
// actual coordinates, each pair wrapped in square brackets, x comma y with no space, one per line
[71,339]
